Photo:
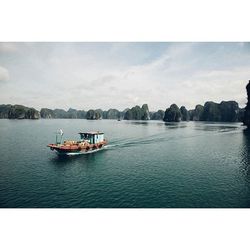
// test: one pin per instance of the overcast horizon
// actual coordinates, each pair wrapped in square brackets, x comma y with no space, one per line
[122,75]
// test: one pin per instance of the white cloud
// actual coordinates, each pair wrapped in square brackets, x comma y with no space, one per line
[105,75]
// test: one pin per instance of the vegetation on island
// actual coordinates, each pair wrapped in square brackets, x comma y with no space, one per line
[111,114]
[195,114]
[184,114]
[47,113]
[4,111]
[172,114]
[159,115]
[60,114]
[226,111]
[94,114]
[18,112]
[137,113]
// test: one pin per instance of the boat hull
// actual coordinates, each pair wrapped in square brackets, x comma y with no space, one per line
[79,152]
[77,149]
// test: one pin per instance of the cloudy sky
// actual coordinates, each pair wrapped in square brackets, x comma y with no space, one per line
[121,75]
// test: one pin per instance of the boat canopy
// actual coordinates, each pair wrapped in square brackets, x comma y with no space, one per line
[92,137]
[91,133]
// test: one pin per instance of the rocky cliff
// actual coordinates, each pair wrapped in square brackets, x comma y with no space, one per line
[172,114]
[94,114]
[4,111]
[184,114]
[211,112]
[196,114]
[246,119]
[61,113]
[111,114]
[47,113]
[229,111]
[145,112]
[226,111]
[18,112]
[137,113]
[159,115]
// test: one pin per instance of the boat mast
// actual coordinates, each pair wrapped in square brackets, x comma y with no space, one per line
[59,134]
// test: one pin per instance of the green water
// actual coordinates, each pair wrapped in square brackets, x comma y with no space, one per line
[146,165]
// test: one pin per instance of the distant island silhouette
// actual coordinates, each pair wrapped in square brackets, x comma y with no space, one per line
[226,111]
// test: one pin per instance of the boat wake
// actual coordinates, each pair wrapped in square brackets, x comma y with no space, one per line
[163,137]
[131,142]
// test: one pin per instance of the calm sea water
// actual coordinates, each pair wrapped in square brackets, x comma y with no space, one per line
[146,165]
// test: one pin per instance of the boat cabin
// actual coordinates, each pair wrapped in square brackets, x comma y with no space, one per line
[92,137]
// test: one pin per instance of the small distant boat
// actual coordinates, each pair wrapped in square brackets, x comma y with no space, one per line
[89,142]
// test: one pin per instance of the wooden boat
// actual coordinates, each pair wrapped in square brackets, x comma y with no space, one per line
[89,142]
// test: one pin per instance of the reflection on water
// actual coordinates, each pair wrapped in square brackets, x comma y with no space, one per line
[173,125]
[215,126]
[138,122]
[245,165]
[61,160]
[245,152]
